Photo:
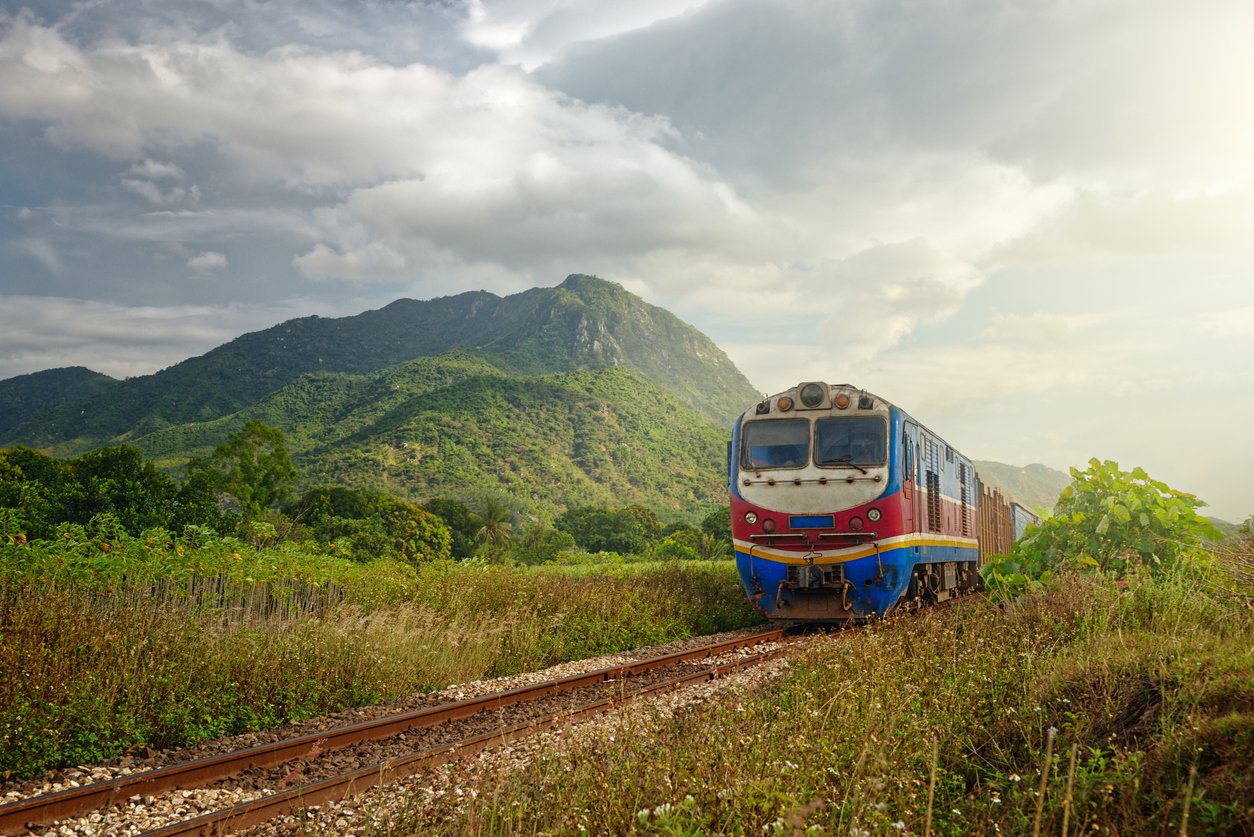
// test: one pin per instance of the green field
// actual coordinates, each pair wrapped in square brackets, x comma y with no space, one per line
[109,642]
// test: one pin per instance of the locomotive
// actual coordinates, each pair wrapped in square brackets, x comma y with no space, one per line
[844,507]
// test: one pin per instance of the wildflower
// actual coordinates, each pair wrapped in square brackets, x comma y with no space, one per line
[1014,777]
[899,825]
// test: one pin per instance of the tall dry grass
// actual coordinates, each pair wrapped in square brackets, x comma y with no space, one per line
[88,672]
[1082,702]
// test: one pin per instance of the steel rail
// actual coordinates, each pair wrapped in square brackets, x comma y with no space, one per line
[337,788]
[39,811]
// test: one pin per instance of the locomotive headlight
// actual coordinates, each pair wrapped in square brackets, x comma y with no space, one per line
[841,401]
[811,395]
[855,523]
[768,526]
[751,517]
[784,403]
[873,515]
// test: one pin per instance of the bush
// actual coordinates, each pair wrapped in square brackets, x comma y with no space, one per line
[541,545]
[1107,520]
[371,524]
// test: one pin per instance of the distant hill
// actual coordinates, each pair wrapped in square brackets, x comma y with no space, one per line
[26,397]
[584,323]
[1035,486]
[456,425]
[561,396]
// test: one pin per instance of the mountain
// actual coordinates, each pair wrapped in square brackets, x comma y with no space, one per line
[457,425]
[1035,486]
[27,397]
[584,323]
[578,394]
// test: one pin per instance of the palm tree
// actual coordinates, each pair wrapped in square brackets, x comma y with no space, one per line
[496,528]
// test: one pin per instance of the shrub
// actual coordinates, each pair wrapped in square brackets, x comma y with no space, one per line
[1107,520]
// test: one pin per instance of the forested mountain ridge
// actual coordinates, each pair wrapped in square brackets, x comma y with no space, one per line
[26,396]
[584,323]
[457,425]
[1035,486]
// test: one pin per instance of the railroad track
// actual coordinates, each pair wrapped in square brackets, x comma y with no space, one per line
[330,765]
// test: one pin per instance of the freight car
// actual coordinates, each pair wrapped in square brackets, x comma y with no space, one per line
[843,507]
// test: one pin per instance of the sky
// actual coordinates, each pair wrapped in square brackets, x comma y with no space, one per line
[1030,224]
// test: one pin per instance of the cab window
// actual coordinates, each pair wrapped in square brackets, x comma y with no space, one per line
[853,440]
[777,443]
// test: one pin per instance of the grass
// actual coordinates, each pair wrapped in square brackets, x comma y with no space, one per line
[1082,707]
[107,652]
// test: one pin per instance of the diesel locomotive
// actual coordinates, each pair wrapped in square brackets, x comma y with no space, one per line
[844,507]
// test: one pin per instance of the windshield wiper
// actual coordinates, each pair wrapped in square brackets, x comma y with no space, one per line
[844,461]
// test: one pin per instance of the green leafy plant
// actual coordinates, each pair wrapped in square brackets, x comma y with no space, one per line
[1109,521]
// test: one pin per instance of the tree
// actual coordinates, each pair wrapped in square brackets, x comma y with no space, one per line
[601,530]
[120,482]
[373,523]
[717,524]
[495,528]
[38,486]
[646,522]
[1108,520]
[252,467]
[539,544]
[196,504]
[1245,533]
[461,522]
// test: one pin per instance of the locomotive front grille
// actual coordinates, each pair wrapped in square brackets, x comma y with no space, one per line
[815,576]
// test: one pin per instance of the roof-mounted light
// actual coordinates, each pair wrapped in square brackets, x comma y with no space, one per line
[812,395]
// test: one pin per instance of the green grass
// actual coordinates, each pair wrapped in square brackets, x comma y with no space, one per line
[109,642]
[1142,684]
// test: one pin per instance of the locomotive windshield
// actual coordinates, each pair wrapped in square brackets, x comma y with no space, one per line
[852,440]
[778,443]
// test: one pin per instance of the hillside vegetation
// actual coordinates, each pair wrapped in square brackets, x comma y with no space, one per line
[456,425]
[27,396]
[1035,486]
[584,323]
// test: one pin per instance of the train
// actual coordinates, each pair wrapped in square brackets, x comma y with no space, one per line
[844,507]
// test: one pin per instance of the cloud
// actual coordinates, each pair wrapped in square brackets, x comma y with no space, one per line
[1043,329]
[42,252]
[40,332]
[530,33]
[485,168]
[154,170]
[1234,322]
[152,193]
[207,261]
[879,295]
